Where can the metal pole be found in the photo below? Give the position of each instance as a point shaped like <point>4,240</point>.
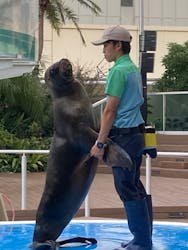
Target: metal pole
<point>24,181</point>
<point>141,31</point>
<point>141,51</point>
<point>164,112</point>
<point>141,9</point>
<point>148,174</point>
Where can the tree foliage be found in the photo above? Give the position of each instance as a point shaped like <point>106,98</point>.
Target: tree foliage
<point>175,77</point>
<point>57,12</point>
<point>25,106</point>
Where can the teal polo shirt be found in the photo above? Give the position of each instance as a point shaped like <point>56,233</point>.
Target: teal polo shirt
<point>124,81</point>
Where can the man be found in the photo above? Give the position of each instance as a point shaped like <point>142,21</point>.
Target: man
<point>123,123</point>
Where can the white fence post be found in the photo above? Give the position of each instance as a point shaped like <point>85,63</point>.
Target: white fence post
<point>87,206</point>
<point>148,174</point>
<point>24,181</point>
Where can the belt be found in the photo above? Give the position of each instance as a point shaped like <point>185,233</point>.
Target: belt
<point>125,131</point>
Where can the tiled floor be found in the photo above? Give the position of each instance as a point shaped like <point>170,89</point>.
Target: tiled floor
<point>165,191</point>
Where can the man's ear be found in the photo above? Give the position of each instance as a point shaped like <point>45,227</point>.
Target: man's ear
<point>119,45</point>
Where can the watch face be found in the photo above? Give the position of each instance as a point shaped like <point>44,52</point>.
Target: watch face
<point>100,144</point>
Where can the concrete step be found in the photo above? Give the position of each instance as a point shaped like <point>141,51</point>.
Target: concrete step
<point>173,164</point>
<point>164,172</point>
<point>155,171</point>
<point>177,140</point>
<point>172,148</point>
<point>169,162</point>
<point>172,158</point>
<point>103,169</point>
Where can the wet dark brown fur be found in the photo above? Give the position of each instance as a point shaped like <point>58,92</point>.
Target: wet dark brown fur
<point>70,169</point>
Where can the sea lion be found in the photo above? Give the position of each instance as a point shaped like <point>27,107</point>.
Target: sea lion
<point>71,169</point>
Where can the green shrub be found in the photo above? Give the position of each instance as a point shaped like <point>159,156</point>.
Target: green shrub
<point>175,77</point>
<point>25,106</point>
<point>12,162</point>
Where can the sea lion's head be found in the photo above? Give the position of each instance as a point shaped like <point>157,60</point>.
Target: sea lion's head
<point>59,77</point>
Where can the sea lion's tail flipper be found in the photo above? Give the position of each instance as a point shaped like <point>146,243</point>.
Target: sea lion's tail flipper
<point>114,155</point>
<point>55,245</point>
<point>80,241</point>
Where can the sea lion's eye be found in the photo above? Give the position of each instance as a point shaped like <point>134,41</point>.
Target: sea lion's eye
<point>52,72</point>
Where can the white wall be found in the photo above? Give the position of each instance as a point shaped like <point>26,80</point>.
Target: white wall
<point>69,45</point>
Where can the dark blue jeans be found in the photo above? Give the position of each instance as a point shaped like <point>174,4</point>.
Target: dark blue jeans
<point>127,183</point>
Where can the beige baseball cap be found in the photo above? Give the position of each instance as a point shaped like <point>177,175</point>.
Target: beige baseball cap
<point>116,33</point>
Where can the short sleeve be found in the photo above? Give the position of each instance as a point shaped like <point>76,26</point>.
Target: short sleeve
<point>116,83</point>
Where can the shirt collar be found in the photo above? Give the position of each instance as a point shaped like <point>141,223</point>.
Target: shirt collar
<point>122,59</point>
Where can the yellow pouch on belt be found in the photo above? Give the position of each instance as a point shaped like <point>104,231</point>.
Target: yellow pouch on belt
<point>150,137</point>
<point>150,142</point>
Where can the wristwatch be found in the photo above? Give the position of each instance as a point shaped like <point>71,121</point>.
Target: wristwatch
<point>100,145</point>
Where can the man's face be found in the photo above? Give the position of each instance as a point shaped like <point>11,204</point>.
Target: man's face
<point>111,51</point>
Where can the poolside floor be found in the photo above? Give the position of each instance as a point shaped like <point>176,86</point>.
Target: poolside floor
<point>170,199</point>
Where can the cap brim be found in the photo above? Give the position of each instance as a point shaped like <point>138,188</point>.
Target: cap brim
<point>99,42</point>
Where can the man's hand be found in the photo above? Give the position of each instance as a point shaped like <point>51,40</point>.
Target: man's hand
<point>97,152</point>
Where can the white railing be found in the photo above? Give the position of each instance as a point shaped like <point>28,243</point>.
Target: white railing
<point>87,203</point>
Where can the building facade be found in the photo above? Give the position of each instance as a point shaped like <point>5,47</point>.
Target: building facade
<point>127,12</point>
<point>169,18</point>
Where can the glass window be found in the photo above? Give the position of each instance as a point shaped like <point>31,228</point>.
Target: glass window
<point>127,3</point>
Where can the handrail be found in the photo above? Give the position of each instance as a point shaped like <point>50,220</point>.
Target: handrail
<point>24,151</point>
<point>102,101</point>
<point>169,93</point>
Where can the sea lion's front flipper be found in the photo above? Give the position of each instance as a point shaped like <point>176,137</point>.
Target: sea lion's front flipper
<point>114,155</point>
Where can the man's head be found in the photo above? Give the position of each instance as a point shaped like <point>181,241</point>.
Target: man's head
<point>116,41</point>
